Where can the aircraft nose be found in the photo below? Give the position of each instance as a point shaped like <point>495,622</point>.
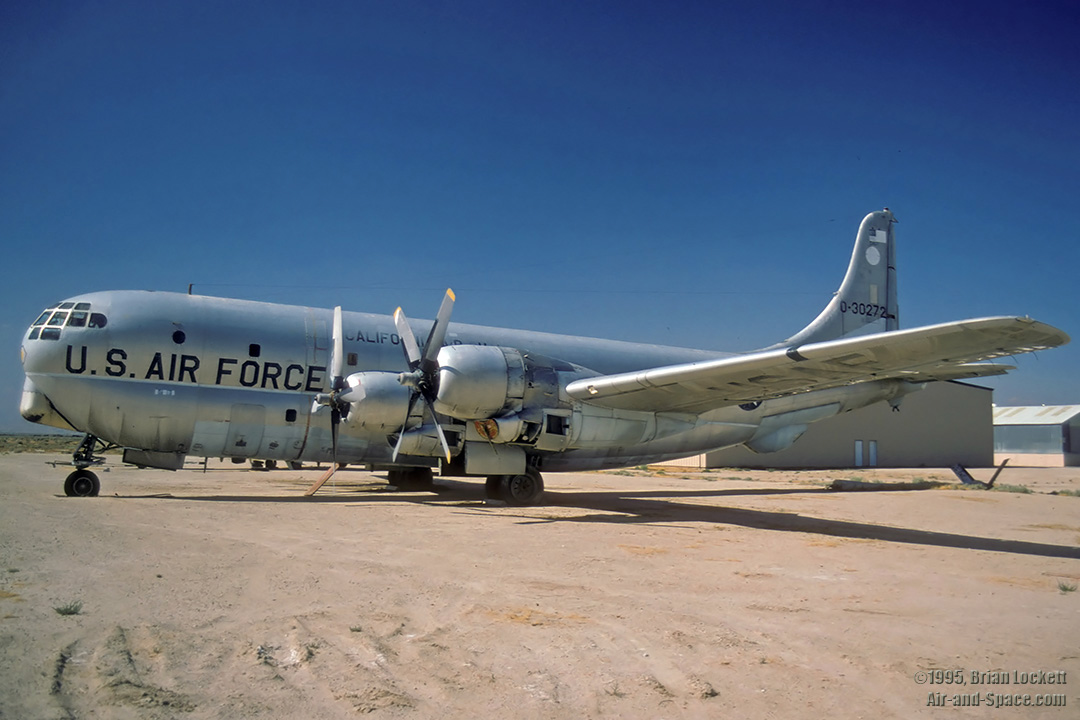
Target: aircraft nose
<point>56,330</point>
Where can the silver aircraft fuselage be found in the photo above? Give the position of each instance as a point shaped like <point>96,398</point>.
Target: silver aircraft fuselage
<point>167,376</point>
<point>175,375</point>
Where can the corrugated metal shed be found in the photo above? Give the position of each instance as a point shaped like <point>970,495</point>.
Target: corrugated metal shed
<point>1043,435</point>
<point>1035,415</point>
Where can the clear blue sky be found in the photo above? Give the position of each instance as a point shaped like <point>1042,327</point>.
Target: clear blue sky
<point>685,173</point>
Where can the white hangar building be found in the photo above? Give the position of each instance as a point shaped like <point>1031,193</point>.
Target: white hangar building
<point>944,424</point>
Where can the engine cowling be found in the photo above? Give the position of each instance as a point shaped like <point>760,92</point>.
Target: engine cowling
<point>376,399</point>
<point>479,381</point>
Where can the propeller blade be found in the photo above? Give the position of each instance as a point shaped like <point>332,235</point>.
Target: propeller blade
<point>404,426</point>
<point>439,430</point>
<point>337,360</point>
<point>408,340</point>
<point>438,333</point>
<point>333,398</point>
<point>335,420</point>
<point>397,445</point>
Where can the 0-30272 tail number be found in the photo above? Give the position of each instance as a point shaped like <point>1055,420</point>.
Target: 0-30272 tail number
<point>867,309</point>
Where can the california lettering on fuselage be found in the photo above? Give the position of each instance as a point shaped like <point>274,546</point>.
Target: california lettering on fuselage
<point>166,376</point>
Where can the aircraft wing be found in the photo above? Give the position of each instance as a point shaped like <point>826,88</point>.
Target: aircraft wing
<point>936,352</point>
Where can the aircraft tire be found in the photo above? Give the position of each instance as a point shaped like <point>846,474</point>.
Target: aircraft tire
<point>524,489</point>
<point>296,465</point>
<point>82,483</point>
<point>411,478</point>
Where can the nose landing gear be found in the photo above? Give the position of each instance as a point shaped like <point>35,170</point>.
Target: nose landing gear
<point>82,482</point>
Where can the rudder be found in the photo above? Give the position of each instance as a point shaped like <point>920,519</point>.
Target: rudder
<point>866,300</point>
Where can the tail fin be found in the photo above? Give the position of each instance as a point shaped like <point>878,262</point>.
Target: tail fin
<point>866,300</point>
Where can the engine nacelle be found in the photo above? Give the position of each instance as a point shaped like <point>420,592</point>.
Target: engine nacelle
<point>376,400</point>
<point>779,432</point>
<point>480,381</point>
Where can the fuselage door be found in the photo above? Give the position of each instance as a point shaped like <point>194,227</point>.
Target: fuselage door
<point>246,424</point>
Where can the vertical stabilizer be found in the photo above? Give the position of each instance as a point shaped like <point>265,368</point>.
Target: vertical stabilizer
<point>866,300</point>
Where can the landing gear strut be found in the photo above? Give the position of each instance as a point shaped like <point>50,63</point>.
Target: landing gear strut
<point>524,489</point>
<point>82,482</point>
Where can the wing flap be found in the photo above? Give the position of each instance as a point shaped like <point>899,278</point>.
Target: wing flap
<point>928,353</point>
<point>965,371</point>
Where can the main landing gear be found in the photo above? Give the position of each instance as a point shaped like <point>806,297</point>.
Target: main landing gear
<point>82,482</point>
<point>524,489</point>
<point>415,478</point>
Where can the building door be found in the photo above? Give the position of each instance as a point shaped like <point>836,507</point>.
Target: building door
<point>858,453</point>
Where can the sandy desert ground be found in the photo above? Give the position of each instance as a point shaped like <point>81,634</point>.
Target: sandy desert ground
<point>657,595</point>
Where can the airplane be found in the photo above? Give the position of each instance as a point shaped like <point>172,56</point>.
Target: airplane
<point>170,375</point>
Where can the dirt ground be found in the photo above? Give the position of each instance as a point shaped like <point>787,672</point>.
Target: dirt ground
<point>629,594</point>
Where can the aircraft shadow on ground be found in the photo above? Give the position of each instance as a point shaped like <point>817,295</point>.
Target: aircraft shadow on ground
<point>658,507</point>
<point>652,510</point>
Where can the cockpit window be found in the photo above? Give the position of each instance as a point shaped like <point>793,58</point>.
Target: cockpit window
<point>65,314</point>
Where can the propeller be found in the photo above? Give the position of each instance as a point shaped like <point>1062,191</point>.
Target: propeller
<point>422,376</point>
<point>333,399</point>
